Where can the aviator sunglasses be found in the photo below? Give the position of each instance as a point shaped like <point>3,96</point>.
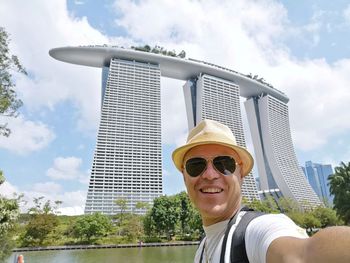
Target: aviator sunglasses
<point>225,165</point>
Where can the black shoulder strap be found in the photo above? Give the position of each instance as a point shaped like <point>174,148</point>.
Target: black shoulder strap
<point>201,258</point>
<point>238,250</point>
<point>224,241</point>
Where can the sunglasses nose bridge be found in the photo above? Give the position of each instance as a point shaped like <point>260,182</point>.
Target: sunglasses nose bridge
<point>210,172</point>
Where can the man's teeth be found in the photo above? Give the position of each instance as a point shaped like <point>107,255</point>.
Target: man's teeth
<point>211,190</point>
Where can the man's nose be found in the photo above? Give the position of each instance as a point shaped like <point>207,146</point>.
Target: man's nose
<point>210,173</point>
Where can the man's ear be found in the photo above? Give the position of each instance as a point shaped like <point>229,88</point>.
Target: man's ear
<point>183,176</point>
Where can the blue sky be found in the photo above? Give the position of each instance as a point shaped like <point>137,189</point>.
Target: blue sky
<point>300,47</point>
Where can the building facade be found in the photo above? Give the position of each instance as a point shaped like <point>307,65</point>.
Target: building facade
<point>127,162</point>
<point>275,157</point>
<point>317,175</point>
<point>209,97</point>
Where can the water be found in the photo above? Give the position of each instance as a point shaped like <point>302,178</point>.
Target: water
<point>135,255</point>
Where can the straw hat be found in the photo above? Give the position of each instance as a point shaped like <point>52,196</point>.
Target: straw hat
<point>212,132</point>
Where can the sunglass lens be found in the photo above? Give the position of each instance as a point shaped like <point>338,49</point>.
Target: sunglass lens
<point>225,164</point>
<point>195,166</point>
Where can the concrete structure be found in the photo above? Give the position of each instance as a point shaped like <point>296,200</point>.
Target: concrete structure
<point>127,162</point>
<point>211,91</point>
<point>209,97</point>
<point>317,174</point>
<point>274,152</point>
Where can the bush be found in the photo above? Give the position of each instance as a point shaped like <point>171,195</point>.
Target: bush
<point>152,239</point>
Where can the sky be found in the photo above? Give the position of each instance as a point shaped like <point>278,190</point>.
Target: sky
<point>301,47</point>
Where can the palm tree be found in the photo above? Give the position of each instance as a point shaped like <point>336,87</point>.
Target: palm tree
<point>339,183</point>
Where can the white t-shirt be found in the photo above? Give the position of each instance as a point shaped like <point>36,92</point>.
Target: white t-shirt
<point>260,232</point>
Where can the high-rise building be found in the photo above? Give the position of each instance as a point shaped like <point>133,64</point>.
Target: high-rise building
<point>317,175</point>
<point>209,97</point>
<point>127,161</point>
<point>276,160</point>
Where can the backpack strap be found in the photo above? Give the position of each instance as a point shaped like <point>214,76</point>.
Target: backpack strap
<point>202,241</point>
<point>224,241</point>
<point>238,249</point>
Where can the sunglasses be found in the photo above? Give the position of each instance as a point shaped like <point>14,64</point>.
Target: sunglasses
<point>225,165</point>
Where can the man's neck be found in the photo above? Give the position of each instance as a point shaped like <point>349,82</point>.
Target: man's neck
<point>207,221</point>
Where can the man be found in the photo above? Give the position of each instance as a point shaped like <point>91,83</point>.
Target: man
<point>213,168</point>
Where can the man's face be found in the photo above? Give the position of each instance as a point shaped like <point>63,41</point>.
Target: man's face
<point>215,195</point>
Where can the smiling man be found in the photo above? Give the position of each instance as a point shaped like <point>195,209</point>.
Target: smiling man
<point>213,168</point>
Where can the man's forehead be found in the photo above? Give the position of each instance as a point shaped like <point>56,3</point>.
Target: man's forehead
<point>209,150</point>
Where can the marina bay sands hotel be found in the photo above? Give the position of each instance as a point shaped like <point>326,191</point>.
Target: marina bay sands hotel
<point>127,161</point>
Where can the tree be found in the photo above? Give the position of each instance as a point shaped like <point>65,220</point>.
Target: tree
<point>123,205</point>
<point>339,183</point>
<point>9,212</point>
<point>165,213</point>
<point>134,228</point>
<point>9,103</point>
<point>142,205</point>
<point>327,216</point>
<point>38,229</point>
<point>94,225</point>
<point>43,221</point>
<point>186,211</point>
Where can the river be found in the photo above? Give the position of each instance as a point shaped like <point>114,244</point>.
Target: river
<point>134,255</point>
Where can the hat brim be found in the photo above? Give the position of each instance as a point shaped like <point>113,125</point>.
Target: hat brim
<point>246,158</point>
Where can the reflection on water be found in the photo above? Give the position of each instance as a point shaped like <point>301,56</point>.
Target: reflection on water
<point>137,255</point>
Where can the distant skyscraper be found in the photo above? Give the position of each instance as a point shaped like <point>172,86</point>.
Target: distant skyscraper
<point>317,175</point>
<point>209,97</point>
<point>274,152</point>
<point>127,161</point>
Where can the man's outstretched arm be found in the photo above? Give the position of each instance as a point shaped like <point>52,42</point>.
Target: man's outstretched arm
<point>328,245</point>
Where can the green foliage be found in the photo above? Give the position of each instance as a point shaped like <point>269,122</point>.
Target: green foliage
<point>327,216</point>
<point>89,226</point>
<point>133,230</point>
<point>173,214</point>
<point>142,205</point>
<point>123,205</point>
<point>2,178</point>
<point>340,187</point>
<point>44,208</point>
<point>7,243</point>
<point>38,229</point>
<point>160,50</point>
<point>42,222</point>
<point>9,213</point>
<point>9,103</point>
<point>165,213</point>
<point>267,206</point>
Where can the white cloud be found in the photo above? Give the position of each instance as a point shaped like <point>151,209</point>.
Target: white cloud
<point>247,36</point>
<point>8,190</point>
<point>51,81</point>
<point>318,91</point>
<point>73,202</point>
<point>67,168</point>
<point>47,188</point>
<point>26,136</point>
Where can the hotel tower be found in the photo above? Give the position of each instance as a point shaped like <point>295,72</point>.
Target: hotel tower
<point>128,161</point>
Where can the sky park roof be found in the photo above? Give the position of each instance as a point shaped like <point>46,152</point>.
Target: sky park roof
<point>171,67</point>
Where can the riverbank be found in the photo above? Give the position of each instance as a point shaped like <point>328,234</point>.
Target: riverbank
<point>80,247</point>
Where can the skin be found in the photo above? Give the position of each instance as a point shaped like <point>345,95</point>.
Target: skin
<point>328,245</point>
<point>219,206</point>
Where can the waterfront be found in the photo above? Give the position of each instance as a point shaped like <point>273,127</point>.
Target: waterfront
<point>134,255</point>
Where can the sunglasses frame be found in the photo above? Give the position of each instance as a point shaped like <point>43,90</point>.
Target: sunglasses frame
<point>211,160</point>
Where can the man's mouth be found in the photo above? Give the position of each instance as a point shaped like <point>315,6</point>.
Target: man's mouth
<point>211,190</point>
